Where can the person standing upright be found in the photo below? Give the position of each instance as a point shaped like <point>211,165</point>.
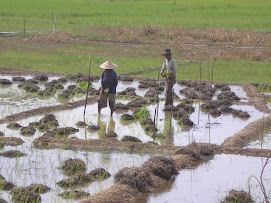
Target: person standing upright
<point>109,83</point>
<point>169,70</point>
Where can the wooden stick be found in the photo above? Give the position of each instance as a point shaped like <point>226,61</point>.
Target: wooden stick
<point>155,119</point>
<point>24,28</point>
<point>87,90</point>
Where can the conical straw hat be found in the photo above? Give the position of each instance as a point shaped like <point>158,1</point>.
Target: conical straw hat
<point>108,65</point>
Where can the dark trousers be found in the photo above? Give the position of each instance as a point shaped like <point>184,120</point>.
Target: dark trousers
<point>171,80</point>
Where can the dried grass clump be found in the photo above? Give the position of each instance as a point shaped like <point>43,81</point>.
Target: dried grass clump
<point>5,185</point>
<point>72,167</point>
<point>235,196</point>
<point>162,167</point>
<point>135,177</point>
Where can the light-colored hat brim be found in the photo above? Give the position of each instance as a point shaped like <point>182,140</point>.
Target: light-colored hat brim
<point>108,65</point>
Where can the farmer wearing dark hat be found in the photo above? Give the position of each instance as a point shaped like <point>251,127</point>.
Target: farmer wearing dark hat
<point>168,71</point>
<point>109,84</point>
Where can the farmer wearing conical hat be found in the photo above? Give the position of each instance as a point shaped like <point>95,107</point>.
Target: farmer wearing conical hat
<point>108,87</point>
<point>168,71</point>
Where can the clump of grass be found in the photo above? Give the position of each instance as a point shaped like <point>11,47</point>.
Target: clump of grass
<point>142,114</point>
<point>83,85</point>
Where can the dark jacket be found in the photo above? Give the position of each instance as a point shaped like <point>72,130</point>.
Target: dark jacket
<point>110,81</point>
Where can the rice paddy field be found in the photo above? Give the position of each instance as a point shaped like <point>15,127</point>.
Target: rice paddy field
<point>212,145</point>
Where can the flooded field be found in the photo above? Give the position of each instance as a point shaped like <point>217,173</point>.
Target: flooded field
<point>194,128</point>
<point>212,181</point>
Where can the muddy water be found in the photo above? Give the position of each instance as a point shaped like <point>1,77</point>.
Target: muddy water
<point>207,129</point>
<point>212,181</point>
<point>14,100</point>
<point>262,143</point>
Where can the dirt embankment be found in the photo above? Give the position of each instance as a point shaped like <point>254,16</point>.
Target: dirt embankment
<point>250,133</point>
<point>257,99</point>
<point>10,141</point>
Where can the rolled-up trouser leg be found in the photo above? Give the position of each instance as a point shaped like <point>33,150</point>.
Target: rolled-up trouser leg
<point>169,93</point>
<point>112,101</point>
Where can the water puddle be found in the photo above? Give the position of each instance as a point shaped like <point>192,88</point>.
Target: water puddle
<point>212,181</point>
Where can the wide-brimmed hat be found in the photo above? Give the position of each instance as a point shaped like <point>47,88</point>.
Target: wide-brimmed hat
<point>167,52</point>
<point>108,65</point>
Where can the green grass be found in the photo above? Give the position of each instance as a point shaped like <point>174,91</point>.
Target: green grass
<point>224,71</point>
<point>75,15</point>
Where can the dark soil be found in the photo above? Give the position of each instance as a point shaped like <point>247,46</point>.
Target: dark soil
<point>5,82</point>
<point>62,80</point>
<point>14,126</point>
<point>73,167</point>
<point>18,79</point>
<point>138,102</point>
<point>235,196</point>
<point>129,91</point>
<point>28,194</point>
<point>135,177</point>
<point>5,185</point>
<point>127,117</point>
<point>28,131</point>
<point>10,141</point>
<point>81,124</point>
<point>228,95</point>
<point>122,106</point>
<point>185,121</point>
<point>152,93</point>
<point>161,166</point>
<point>240,113</point>
<point>198,152</point>
<point>47,92</point>
<point>48,122</point>
<point>171,108</point>
<point>12,154</point>
<point>128,138</point>
<point>29,86</point>
<point>2,134</point>
<point>41,77</point>
<point>148,82</point>
<point>111,134</point>
<point>74,194</point>
<point>215,112</point>
<point>126,78</point>
<point>94,127</point>
<point>61,133</point>
<point>35,124</point>
<point>84,179</point>
<point>3,201</point>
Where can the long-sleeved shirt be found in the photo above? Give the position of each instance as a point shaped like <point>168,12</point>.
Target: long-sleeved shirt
<point>110,81</point>
<point>171,66</point>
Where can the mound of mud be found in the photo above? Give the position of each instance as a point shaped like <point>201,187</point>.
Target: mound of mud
<point>238,196</point>
<point>31,81</point>
<point>12,154</point>
<point>185,121</point>
<point>94,127</point>
<point>151,93</point>
<point>171,108</point>
<point>28,131</point>
<point>138,102</point>
<point>73,167</point>
<point>5,185</point>
<point>111,134</point>
<point>62,132</point>
<point>147,83</point>
<point>129,91</point>
<point>14,126</point>
<point>2,134</point>
<point>84,179</point>
<point>41,77</point>
<point>127,117</point>
<point>215,112</point>
<point>81,124</point>
<point>128,138</point>
<point>29,86</point>
<point>35,124</point>
<point>122,106</point>
<point>226,109</point>
<point>18,79</point>
<point>10,141</point>
<point>62,80</point>
<point>198,152</point>
<point>163,167</point>
<point>135,177</point>
<point>99,174</point>
<point>228,95</point>
<point>47,92</point>
<point>189,109</point>
<point>74,194</point>
<point>48,122</point>
<point>5,82</point>
<point>222,87</point>
<point>29,194</point>
<point>126,78</point>
<point>2,200</point>
<point>240,113</point>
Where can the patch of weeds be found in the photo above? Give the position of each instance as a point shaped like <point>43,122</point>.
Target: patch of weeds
<point>141,114</point>
<point>74,194</point>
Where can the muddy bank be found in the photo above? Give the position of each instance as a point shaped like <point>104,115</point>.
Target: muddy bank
<point>45,110</point>
<point>132,183</point>
<point>249,133</point>
<point>257,99</point>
